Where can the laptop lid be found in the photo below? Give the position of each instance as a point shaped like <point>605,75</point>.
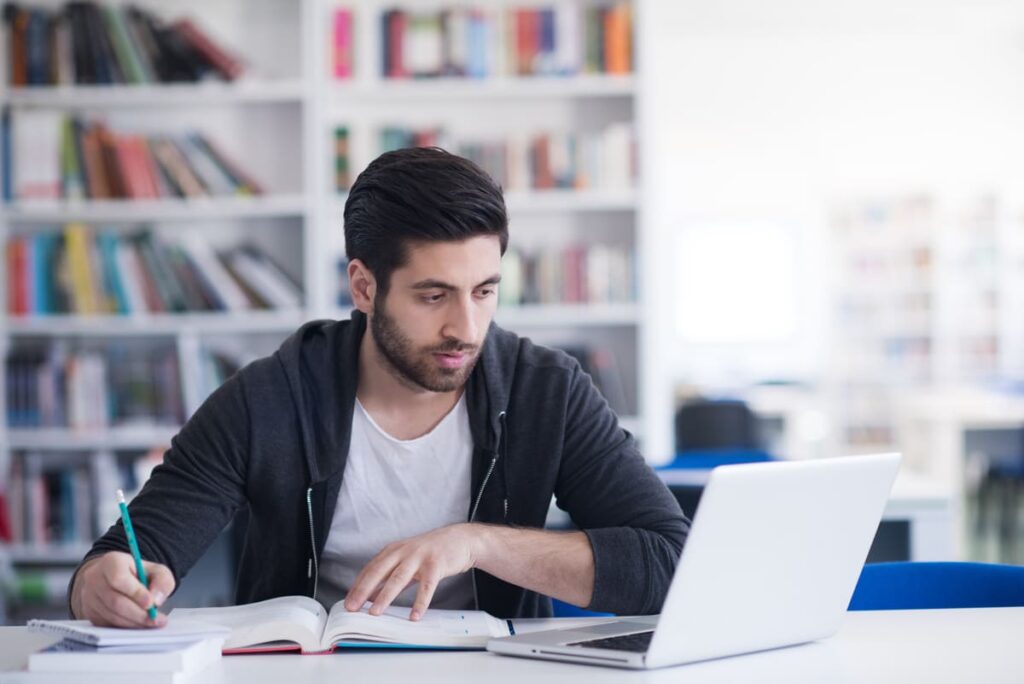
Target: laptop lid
<point>773,556</point>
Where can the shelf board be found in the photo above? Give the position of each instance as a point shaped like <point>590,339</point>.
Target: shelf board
<point>58,211</point>
<point>567,315</point>
<point>156,324</point>
<point>158,95</point>
<point>438,89</point>
<point>64,439</point>
<point>47,554</point>
<point>547,201</point>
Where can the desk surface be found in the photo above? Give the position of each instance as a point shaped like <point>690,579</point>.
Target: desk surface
<point>936,646</point>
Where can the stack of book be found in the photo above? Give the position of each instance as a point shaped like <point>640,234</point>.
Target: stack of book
<point>577,274</point>
<point>54,387</point>
<point>84,43</point>
<point>174,654</point>
<point>561,39</point>
<point>53,156</point>
<point>87,273</point>
<point>542,161</point>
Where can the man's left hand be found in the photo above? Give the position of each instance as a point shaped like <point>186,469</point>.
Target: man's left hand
<point>425,559</point>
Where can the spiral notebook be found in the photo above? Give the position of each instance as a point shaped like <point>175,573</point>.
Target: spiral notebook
<point>85,632</point>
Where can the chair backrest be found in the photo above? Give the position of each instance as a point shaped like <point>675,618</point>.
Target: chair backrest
<point>703,424</point>
<point>910,586</point>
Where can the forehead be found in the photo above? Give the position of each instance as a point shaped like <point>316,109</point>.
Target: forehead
<point>461,262</point>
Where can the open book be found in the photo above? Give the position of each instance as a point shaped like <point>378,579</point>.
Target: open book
<point>299,622</point>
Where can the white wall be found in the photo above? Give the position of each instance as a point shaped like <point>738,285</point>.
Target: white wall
<point>761,112</point>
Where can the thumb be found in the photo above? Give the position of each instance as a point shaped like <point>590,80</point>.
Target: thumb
<point>161,581</point>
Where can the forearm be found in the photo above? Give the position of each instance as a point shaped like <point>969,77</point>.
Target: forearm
<point>556,564</point>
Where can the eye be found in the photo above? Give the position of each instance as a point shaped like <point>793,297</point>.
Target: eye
<point>432,298</point>
<point>486,292</point>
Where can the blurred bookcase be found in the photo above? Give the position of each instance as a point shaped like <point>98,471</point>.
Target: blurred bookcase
<point>81,379</point>
<point>929,290</point>
<point>549,90</point>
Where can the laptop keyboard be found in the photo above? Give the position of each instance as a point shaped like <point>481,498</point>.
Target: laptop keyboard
<point>636,643</point>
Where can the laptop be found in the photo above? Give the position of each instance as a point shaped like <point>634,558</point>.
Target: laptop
<point>772,559</point>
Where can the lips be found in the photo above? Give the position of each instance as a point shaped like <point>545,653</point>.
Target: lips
<point>451,360</point>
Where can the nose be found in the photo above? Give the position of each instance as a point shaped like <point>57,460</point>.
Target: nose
<point>461,324</point>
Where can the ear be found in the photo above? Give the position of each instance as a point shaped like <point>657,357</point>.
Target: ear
<point>362,285</point>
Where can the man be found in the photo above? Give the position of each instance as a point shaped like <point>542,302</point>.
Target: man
<point>411,453</point>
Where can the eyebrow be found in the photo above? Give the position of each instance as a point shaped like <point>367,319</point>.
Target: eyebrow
<point>432,284</point>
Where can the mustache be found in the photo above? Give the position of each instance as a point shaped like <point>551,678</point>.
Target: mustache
<point>454,347</point>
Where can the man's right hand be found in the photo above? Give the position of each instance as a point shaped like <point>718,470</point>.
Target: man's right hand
<point>108,593</point>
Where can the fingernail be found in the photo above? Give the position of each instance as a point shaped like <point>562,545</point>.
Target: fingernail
<point>414,615</point>
<point>159,598</point>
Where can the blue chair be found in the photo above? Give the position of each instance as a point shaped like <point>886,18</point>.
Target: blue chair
<point>910,586</point>
<point>563,609</point>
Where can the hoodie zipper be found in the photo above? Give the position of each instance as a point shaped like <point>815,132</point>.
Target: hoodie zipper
<point>490,471</point>
<point>480,495</point>
<point>312,565</point>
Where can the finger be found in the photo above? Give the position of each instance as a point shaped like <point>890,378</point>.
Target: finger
<point>425,593</point>
<point>399,580</point>
<point>161,582</point>
<point>101,611</point>
<point>368,581</point>
<point>127,610</point>
<point>126,583</point>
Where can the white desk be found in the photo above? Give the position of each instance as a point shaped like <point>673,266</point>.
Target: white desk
<point>933,647</point>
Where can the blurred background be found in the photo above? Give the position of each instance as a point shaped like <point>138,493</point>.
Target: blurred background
<point>781,230</point>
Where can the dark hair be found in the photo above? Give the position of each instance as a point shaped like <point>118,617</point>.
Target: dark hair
<point>418,194</point>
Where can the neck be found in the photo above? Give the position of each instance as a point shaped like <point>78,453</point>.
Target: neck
<point>393,400</point>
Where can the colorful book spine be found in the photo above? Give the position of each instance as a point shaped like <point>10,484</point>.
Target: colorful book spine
<point>342,63</point>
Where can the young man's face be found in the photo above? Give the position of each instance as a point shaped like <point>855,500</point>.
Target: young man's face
<point>431,324</point>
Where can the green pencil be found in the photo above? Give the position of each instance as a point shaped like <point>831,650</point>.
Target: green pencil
<point>134,546</point>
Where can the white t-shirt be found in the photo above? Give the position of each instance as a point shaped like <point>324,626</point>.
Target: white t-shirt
<point>395,489</point>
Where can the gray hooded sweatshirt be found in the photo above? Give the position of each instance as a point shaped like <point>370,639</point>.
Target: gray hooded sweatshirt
<point>274,439</point>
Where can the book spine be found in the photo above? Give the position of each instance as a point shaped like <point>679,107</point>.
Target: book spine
<point>342,43</point>
<point>122,47</point>
<point>76,239</point>
<point>228,66</point>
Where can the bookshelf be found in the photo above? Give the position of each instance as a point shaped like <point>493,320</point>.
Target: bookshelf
<point>928,296</point>
<point>272,103</point>
<point>291,103</point>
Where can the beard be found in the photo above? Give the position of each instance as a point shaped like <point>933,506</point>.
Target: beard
<point>418,368</point>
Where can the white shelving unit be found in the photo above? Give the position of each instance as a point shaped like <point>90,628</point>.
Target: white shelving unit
<point>262,122</point>
<point>929,294</point>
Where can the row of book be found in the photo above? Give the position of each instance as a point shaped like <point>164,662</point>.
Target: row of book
<point>80,271</point>
<point>59,387</point>
<point>66,499</point>
<point>52,156</point>
<point>543,161</point>
<point>559,39</point>
<point>86,43</point>
<point>578,274</point>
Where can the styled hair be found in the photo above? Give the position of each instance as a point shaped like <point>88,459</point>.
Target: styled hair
<point>418,194</point>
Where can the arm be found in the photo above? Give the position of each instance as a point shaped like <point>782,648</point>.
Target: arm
<point>186,502</point>
<point>635,526</point>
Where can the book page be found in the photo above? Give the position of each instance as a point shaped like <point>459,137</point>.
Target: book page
<point>458,628</point>
<point>288,618</point>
